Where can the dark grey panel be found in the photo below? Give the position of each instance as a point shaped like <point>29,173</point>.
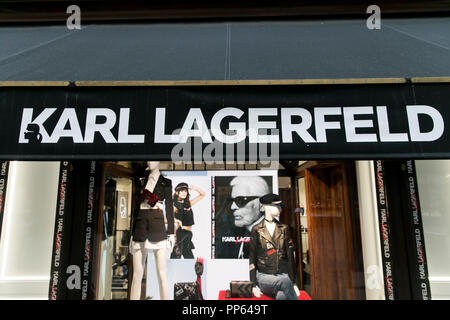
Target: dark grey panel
<point>435,31</point>
<point>14,41</point>
<point>332,49</point>
<point>125,52</point>
<point>237,50</point>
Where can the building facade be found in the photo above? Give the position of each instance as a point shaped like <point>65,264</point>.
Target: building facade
<point>346,123</point>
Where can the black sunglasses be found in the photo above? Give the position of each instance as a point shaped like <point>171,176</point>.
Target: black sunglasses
<point>242,201</point>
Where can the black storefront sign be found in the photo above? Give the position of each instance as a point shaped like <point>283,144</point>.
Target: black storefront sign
<point>362,121</point>
<point>4,168</point>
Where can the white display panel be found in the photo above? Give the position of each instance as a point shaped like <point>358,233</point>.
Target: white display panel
<point>370,236</point>
<point>433,179</point>
<point>27,232</point>
<point>221,270</point>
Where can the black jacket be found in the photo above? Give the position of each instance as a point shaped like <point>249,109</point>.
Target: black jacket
<point>151,225</point>
<point>271,255</point>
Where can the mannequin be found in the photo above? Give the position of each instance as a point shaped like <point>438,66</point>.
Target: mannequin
<point>149,231</point>
<point>274,281</point>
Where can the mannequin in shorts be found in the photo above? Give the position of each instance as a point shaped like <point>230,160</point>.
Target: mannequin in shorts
<point>149,232</point>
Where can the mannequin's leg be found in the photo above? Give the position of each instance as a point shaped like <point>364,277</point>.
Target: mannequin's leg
<point>160,260</point>
<point>139,258</point>
<point>285,286</point>
<point>278,286</point>
<point>267,284</point>
<point>280,296</point>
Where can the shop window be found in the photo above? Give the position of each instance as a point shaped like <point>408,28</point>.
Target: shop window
<point>114,258</point>
<point>27,230</point>
<point>80,218</point>
<point>433,178</point>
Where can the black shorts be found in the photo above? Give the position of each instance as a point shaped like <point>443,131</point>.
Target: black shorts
<point>149,225</point>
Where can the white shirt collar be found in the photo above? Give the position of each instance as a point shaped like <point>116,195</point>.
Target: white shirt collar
<point>154,175</point>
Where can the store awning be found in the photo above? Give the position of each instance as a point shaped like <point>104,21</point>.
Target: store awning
<point>125,89</point>
<point>405,48</point>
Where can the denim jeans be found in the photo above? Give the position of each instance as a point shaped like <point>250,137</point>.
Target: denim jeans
<point>278,286</point>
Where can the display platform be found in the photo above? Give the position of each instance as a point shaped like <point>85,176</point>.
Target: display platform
<point>222,296</point>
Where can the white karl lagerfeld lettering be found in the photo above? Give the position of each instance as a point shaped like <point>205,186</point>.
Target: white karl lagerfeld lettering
<point>238,127</point>
<point>112,125</point>
<point>68,126</point>
<point>195,119</point>
<point>124,123</point>
<point>27,118</point>
<point>68,116</point>
<point>290,125</point>
<point>255,124</point>
<point>383,126</point>
<point>300,128</point>
<point>194,126</point>
<point>103,128</point>
<point>351,124</point>
<point>414,128</point>
<point>322,125</point>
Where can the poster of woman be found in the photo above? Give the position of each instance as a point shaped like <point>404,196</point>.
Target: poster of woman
<point>184,219</point>
<point>192,211</point>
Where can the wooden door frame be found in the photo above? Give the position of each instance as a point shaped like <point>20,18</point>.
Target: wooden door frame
<point>352,228</point>
<point>294,182</point>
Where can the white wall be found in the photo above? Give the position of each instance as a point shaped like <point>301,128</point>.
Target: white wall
<point>27,232</point>
<point>433,178</point>
<point>370,236</point>
<point>218,273</point>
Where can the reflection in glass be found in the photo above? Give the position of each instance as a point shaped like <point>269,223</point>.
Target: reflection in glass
<point>306,270</point>
<point>114,261</point>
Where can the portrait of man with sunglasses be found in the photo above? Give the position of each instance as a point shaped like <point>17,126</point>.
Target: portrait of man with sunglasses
<point>243,211</point>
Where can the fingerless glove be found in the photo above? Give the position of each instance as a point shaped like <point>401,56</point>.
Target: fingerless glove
<point>150,197</point>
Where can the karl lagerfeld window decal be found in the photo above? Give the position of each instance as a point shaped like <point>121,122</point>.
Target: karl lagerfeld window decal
<point>311,122</point>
